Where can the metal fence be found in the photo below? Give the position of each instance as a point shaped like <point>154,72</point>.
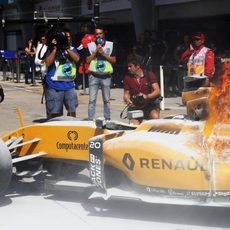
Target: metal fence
<point>13,65</point>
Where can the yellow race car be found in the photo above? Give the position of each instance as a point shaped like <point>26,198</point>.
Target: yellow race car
<point>181,160</point>
<point>157,161</point>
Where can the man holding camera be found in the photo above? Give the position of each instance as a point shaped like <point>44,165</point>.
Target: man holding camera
<point>59,80</point>
<point>141,90</point>
<point>101,56</point>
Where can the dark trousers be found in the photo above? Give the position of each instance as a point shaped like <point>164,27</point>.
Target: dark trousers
<point>29,68</point>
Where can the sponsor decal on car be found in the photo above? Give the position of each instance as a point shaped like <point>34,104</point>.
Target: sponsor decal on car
<point>72,136</point>
<point>162,164</point>
<point>96,162</point>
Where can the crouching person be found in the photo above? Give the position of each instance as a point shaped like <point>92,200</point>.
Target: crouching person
<point>141,90</point>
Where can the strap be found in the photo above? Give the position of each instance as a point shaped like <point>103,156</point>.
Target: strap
<point>40,51</point>
<point>146,73</point>
<point>125,108</point>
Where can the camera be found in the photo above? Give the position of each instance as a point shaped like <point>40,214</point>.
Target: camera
<point>60,37</point>
<point>138,100</point>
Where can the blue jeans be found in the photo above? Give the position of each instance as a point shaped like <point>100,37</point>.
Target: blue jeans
<point>94,84</point>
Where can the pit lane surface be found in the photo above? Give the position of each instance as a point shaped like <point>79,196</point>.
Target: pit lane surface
<point>27,205</point>
<point>29,99</point>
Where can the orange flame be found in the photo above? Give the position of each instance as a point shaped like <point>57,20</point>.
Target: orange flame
<point>219,101</point>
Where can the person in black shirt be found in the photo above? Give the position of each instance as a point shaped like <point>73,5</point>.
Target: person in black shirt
<point>30,56</point>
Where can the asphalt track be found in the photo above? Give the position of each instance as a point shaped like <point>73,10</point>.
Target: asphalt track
<point>28,205</point>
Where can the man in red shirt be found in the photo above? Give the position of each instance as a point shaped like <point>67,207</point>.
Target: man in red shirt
<point>200,60</point>
<point>141,91</point>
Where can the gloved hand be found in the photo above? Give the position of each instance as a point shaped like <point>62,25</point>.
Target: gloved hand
<point>1,94</point>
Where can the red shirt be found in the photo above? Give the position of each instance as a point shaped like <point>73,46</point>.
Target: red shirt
<point>209,67</point>
<point>135,87</point>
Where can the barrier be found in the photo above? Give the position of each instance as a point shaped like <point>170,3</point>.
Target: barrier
<point>8,54</point>
<point>13,63</point>
<point>7,64</point>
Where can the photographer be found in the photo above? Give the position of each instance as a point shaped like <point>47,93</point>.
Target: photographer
<point>141,90</point>
<point>60,88</point>
<point>1,94</point>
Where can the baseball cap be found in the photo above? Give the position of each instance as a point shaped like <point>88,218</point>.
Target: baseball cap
<point>198,35</point>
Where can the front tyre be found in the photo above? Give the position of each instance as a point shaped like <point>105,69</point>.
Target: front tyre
<point>5,167</point>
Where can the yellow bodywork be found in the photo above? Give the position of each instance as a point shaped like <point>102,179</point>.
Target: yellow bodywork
<point>171,154</point>
<point>62,140</point>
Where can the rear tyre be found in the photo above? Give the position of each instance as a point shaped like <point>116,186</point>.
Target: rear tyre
<point>5,167</point>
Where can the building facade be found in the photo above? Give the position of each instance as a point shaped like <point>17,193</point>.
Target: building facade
<point>123,18</point>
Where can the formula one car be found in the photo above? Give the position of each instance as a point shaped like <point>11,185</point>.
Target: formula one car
<point>176,161</point>
<point>157,161</point>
